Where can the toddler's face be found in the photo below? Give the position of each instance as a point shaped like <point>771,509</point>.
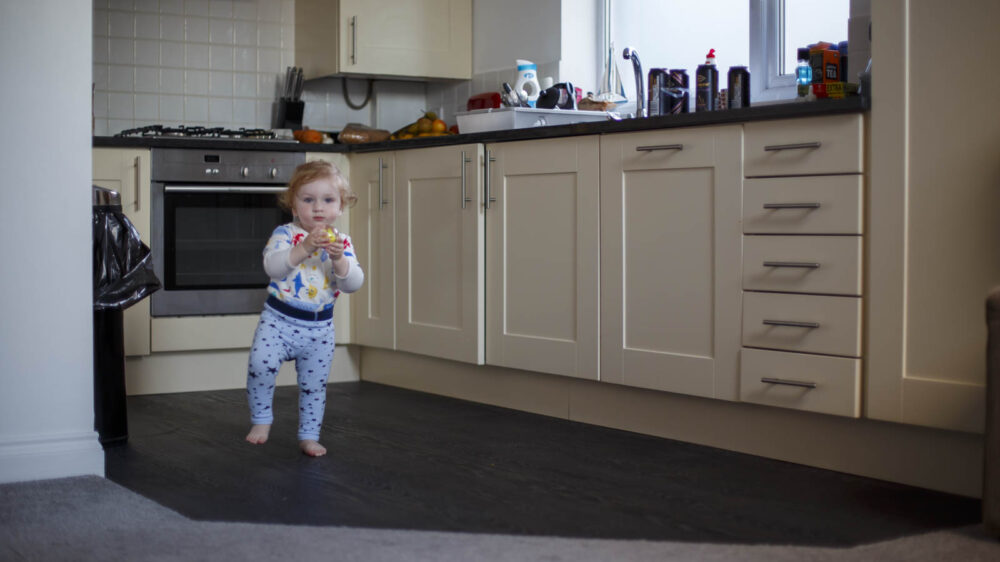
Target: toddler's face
<point>317,203</point>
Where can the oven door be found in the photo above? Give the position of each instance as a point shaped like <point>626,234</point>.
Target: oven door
<point>208,243</point>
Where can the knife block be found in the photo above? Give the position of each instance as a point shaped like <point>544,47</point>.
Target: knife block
<point>288,114</point>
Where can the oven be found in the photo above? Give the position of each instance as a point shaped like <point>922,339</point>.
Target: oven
<point>212,213</point>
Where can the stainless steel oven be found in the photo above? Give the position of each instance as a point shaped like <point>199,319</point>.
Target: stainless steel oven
<point>212,213</point>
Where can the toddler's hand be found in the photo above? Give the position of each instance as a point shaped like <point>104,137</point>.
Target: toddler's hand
<point>315,240</point>
<point>334,246</point>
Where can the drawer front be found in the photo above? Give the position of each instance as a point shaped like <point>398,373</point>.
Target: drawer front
<point>670,148</point>
<point>805,323</point>
<point>814,145</point>
<point>829,265</point>
<point>803,205</point>
<point>814,383</point>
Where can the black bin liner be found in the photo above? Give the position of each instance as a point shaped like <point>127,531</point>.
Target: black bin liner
<point>123,275</point>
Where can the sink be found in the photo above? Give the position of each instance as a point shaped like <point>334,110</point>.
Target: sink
<point>498,119</point>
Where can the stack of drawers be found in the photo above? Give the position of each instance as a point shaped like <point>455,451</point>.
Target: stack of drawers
<point>802,264</point>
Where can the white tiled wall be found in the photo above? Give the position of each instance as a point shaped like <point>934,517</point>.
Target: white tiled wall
<point>218,63</point>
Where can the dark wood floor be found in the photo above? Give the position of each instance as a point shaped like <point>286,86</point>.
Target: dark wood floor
<point>409,460</point>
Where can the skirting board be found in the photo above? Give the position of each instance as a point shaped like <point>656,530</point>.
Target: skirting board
<point>191,371</point>
<point>941,460</point>
<point>41,457</point>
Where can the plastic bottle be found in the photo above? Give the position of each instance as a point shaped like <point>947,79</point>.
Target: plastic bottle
<point>707,85</point>
<point>527,80</point>
<point>803,73</point>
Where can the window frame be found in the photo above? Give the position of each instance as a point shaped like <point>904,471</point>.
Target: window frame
<point>766,52</point>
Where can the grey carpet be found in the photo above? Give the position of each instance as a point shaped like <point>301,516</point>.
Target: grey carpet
<point>90,518</point>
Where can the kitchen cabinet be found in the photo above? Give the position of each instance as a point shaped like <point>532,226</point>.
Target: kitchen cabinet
<point>127,172</point>
<point>440,252</point>
<point>391,38</point>
<point>670,260</point>
<point>373,229</point>
<point>342,317</point>
<point>542,245</point>
<point>803,257</point>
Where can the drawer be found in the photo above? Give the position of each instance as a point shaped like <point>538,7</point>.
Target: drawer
<point>814,145</point>
<point>803,205</point>
<point>813,383</point>
<point>829,265</point>
<point>668,149</point>
<point>805,323</point>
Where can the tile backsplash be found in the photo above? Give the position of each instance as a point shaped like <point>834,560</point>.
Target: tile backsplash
<point>218,63</point>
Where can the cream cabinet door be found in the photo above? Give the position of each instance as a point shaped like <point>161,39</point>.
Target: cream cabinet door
<point>342,317</point>
<point>373,231</point>
<point>420,38</point>
<point>542,243</point>
<point>439,252</point>
<point>127,172</point>
<point>670,260</point>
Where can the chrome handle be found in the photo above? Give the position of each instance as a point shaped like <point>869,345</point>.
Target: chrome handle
<point>465,198</point>
<point>653,147</point>
<point>138,185</point>
<point>219,189</point>
<point>791,205</point>
<point>795,146</point>
<point>354,39</point>
<point>486,181</point>
<point>381,199</point>
<point>798,264</point>
<point>787,382</point>
<point>791,324</point>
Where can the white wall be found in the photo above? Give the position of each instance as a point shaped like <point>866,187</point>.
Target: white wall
<point>219,63</point>
<point>46,383</point>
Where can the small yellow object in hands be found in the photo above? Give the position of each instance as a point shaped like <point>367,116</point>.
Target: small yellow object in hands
<point>331,233</point>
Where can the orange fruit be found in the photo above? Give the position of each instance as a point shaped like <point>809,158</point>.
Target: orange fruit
<point>438,126</point>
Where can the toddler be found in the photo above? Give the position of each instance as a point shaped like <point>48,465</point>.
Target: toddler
<point>309,264</point>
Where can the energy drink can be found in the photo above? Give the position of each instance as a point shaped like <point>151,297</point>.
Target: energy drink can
<point>678,95</point>
<point>657,88</point>
<point>739,87</point>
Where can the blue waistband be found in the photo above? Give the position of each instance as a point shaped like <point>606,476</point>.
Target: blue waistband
<point>289,310</point>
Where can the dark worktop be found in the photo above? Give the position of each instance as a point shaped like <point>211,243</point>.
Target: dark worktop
<point>756,113</point>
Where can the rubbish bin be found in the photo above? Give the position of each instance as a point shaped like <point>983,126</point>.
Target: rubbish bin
<point>123,275</point>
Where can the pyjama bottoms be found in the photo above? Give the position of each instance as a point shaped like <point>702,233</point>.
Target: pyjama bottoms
<point>281,338</point>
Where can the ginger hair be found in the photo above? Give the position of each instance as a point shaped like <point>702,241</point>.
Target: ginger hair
<point>310,172</point>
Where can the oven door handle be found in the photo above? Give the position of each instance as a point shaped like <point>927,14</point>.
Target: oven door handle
<point>223,189</point>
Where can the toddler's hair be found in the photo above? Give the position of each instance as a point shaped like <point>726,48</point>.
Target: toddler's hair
<point>310,172</point>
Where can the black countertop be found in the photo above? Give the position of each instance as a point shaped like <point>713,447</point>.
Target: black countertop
<point>757,113</point>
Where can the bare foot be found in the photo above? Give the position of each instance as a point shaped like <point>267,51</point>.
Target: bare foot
<point>258,433</point>
<point>312,448</point>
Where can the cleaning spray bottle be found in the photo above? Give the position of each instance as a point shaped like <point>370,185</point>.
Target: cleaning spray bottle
<point>527,80</point>
<point>707,85</point>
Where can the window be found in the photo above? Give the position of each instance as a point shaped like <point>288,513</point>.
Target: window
<point>760,34</point>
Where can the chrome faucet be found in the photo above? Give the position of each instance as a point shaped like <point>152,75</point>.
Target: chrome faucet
<point>640,97</point>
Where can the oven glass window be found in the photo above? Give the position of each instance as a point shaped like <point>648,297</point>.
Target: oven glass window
<point>216,240</point>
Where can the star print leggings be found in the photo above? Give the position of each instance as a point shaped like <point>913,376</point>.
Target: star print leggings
<point>280,338</point>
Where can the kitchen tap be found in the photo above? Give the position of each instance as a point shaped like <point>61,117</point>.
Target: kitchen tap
<point>640,97</point>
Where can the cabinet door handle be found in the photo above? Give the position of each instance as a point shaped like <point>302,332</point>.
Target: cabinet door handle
<point>787,382</point>
<point>791,324</point>
<point>798,264</point>
<point>354,39</point>
<point>652,147</point>
<point>486,180</point>
<point>381,200</point>
<point>795,146</point>
<point>465,198</point>
<point>138,187</point>
<point>791,205</point>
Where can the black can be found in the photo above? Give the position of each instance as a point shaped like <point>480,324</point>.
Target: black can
<point>739,87</point>
<point>678,95</point>
<point>706,88</point>
<point>657,88</point>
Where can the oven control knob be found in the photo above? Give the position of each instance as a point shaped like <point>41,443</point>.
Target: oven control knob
<point>208,171</point>
<point>245,171</point>
<point>273,173</point>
